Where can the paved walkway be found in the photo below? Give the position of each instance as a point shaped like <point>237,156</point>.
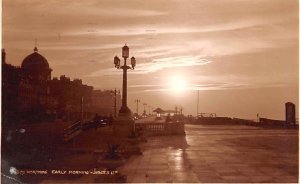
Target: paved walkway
<point>218,154</point>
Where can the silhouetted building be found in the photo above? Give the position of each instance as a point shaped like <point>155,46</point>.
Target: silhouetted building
<point>73,97</point>
<point>29,94</point>
<point>34,97</point>
<point>10,85</point>
<point>104,102</point>
<point>159,112</point>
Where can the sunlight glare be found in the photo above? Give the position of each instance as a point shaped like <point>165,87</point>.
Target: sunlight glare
<point>177,84</point>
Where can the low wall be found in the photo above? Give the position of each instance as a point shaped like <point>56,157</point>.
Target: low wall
<point>274,123</point>
<point>152,128</point>
<point>263,122</point>
<point>214,120</point>
<point>245,122</point>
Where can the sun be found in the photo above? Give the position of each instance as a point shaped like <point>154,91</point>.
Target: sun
<point>177,84</point>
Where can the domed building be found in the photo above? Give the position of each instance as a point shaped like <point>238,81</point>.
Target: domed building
<point>33,93</point>
<point>36,67</point>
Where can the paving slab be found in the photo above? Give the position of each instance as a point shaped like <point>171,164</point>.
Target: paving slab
<point>213,154</point>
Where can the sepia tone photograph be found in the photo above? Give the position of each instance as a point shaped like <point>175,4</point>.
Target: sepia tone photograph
<point>150,91</point>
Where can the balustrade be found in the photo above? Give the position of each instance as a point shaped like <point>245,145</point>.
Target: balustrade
<point>152,128</point>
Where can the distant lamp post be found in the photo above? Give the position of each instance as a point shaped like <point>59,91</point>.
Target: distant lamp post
<point>137,101</point>
<point>81,109</point>
<point>149,108</point>
<point>114,95</point>
<point>125,54</point>
<point>144,104</point>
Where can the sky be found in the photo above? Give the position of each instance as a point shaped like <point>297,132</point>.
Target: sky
<point>241,55</point>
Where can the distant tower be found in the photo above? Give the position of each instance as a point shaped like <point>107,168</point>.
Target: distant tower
<point>290,115</point>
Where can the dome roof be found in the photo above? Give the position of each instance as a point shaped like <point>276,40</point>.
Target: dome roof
<point>35,61</point>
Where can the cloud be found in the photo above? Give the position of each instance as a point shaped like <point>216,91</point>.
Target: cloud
<point>145,85</point>
<point>157,65</point>
<point>207,87</point>
<point>170,62</point>
<point>162,35</point>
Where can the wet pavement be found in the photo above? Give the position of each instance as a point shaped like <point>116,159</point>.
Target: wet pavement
<point>210,153</point>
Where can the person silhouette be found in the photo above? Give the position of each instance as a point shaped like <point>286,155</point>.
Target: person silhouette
<point>168,118</point>
<point>110,119</point>
<point>96,120</point>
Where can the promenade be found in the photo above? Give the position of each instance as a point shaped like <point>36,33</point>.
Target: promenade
<point>232,153</point>
<point>207,153</point>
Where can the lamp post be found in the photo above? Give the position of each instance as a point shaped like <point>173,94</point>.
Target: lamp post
<point>144,104</point>
<point>81,109</point>
<point>114,94</point>
<point>125,54</point>
<point>137,101</point>
<point>197,104</point>
<point>149,108</point>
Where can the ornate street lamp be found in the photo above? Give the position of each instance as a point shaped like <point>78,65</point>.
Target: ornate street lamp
<point>125,54</point>
<point>133,62</point>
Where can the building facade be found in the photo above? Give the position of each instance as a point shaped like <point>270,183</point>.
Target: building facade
<point>30,94</point>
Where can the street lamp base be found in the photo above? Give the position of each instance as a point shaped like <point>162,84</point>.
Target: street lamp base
<point>125,111</point>
<point>123,126</point>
